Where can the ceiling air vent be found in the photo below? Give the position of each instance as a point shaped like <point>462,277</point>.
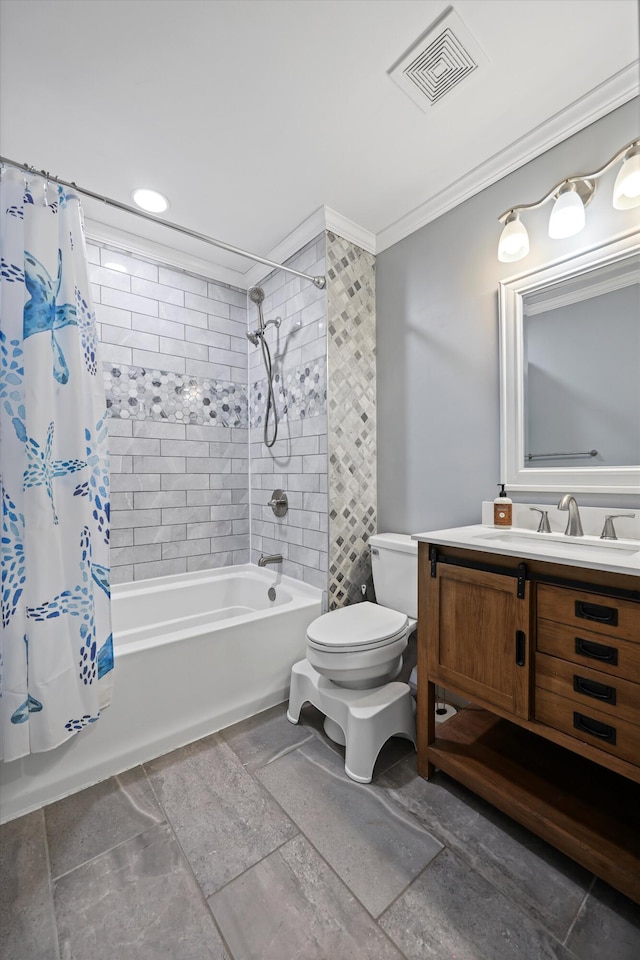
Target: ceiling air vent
<point>438,61</point>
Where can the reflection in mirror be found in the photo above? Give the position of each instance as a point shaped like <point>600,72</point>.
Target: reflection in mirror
<point>581,369</point>
<point>570,373</point>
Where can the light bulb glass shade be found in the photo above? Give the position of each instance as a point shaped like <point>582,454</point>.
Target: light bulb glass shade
<point>626,189</point>
<point>567,216</point>
<point>150,200</point>
<point>514,241</point>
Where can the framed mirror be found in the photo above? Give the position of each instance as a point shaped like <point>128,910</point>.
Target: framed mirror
<point>570,374</point>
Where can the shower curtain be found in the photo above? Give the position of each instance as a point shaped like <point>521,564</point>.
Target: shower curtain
<point>56,656</point>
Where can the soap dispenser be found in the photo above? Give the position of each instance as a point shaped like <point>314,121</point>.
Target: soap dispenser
<point>502,509</point>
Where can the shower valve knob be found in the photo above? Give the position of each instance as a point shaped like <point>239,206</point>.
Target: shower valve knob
<point>279,503</point>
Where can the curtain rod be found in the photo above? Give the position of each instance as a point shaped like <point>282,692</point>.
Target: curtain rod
<point>110,202</point>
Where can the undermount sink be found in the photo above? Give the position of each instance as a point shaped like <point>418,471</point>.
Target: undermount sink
<point>553,542</point>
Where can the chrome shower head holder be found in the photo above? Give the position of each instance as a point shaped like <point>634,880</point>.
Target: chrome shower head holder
<point>255,335</point>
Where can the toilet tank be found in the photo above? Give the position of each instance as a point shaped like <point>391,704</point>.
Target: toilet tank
<point>394,563</point>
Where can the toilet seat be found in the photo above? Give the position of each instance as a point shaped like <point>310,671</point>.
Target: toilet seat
<point>359,627</point>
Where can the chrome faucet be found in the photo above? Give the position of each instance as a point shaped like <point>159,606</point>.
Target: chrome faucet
<point>574,524</point>
<point>269,558</point>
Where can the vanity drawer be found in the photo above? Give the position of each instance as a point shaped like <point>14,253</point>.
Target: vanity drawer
<point>619,619</point>
<point>613,735</point>
<point>607,655</point>
<point>589,688</point>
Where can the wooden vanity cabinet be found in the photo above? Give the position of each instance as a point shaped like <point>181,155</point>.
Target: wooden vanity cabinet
<point>549,656</point>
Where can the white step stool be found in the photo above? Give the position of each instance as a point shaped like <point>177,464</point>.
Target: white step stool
<point>362,720</point>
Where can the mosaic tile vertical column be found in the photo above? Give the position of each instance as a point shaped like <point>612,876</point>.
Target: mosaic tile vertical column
<point>351,401</point>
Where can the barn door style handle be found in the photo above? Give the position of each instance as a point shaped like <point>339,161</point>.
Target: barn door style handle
<point>521,641</point>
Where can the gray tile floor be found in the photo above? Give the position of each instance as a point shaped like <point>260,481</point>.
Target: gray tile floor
<point>254,844</point>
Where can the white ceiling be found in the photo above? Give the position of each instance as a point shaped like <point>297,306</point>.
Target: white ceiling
<point>252,114</point>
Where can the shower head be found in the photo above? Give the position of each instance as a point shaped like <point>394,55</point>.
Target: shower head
<point>254,337</point>
<point>256,295</point>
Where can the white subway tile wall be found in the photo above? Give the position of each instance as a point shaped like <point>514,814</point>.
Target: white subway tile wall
<point>297,463</point>
<point>175,367</point>
<point>190,474</point>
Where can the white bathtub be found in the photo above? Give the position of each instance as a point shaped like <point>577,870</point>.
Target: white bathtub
<point>193,653</point>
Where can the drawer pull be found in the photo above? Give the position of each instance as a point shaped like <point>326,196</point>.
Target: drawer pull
<point>603,731</point>
<point>521,640</point>
<point>591,688</point>
<point>597,651</point>
<point>597,613</point>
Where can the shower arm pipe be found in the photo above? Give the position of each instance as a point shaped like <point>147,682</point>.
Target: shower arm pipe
<point>318,282</point>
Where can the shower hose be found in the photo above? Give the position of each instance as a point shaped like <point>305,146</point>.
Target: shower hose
<point>271,400</point>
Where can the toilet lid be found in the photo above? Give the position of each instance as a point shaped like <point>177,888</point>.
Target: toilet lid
<point>361,626</point>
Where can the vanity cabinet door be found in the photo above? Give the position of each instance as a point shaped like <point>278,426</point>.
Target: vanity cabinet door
<point>479,632</point>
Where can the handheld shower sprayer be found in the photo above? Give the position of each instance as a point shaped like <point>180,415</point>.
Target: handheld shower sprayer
<point>256,295</point>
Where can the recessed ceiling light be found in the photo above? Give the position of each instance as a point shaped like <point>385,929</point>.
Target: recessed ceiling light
<point>150,200</point>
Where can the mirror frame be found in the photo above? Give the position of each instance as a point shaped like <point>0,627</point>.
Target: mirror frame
<point>573,479</point>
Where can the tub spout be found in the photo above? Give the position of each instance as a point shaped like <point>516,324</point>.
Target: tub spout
<point>270,558</point>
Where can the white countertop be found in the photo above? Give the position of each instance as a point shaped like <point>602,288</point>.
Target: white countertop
<point>619,556</point>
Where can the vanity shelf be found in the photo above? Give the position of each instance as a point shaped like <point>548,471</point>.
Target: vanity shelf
<point>549,656</point>
<point>591,814</point>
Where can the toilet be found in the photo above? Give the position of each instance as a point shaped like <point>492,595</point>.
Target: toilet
<point>354,655</point>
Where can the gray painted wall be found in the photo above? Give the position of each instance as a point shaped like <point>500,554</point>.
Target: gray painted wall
<point>437,334</point>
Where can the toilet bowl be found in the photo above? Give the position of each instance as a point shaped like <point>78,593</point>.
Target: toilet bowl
<point>354,655</point>
<point>359,647</point>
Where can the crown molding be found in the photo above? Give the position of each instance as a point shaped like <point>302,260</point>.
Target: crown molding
<point>614,92</point>
<point>308,230</point>
<point>172,257</point>
<point>324,218</point>
<point>350,230</point>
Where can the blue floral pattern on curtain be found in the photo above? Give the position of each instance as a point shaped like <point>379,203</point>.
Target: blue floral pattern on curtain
<point>56,651</point>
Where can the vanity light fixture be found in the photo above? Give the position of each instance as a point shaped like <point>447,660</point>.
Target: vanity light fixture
<point>570,197</point>
<point>567,215</point>
<point>626,189</point>
<point>150,200</point>
<point>514,242</point>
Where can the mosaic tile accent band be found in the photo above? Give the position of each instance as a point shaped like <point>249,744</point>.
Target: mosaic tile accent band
<point>351,359</point>
<point>299,392</point>
<point>136,393</point>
